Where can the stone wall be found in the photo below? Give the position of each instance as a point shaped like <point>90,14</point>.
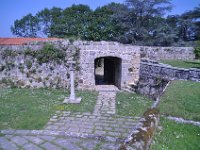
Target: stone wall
<point>149,69</point>
<point>23,70</point>
<point>167,53</point>
<point>155,76</point>
<point>89,51</point>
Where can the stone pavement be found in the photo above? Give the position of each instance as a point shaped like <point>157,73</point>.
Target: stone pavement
<point>114,127</point>
<point>106,100</point>
<point>102,129</point>
<point>40,141</point>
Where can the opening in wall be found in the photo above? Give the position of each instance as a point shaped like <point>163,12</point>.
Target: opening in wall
<point>108,71</point>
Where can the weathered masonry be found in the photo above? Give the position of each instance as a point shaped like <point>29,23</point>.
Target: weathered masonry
<point>97,63</point>
<point>120,64</point>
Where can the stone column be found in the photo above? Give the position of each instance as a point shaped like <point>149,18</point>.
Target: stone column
<point>72,98</point>
<point>72,90</point>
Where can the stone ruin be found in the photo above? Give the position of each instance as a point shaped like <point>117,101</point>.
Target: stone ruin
<point>121,65</point>
<point>96,63</point>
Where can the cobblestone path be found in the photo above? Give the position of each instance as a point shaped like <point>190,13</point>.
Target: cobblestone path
<point>21,140</point>
<point>113,127</point>
<point>105,103</point>
<point>100,130</point>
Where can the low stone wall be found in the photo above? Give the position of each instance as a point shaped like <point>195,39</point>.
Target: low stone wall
<point>141,136</point>
<point>155,76</point>
<point>149,69</point>
<point>167,53</point>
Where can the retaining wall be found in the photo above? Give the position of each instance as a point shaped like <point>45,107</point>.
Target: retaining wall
<point>149,69</point>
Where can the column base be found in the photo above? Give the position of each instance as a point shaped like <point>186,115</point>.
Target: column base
<point>67,100</point>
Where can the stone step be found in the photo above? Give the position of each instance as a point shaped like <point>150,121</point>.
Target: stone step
<point>106,88</point>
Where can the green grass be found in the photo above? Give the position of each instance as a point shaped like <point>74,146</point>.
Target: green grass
<point>182,99</point>
<point>175,136</point>
<point>130,104</point>
<point>87,104</point>
<point>183,64</point>
<point>31,109</point>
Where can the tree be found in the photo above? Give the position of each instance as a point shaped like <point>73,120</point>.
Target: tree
<point>191,24</point>
<point>140,20</point>
<point>165,35</point>
<point>26,27</point>
<point>74,22</point>
<point>49,20</point>
<point>102,26</point>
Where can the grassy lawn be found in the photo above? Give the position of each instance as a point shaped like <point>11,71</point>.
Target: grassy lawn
<point>183,64</point>
<point>174,136</point>
<point>130,104</point>
<point>31,109</point>
<point>182,99</point>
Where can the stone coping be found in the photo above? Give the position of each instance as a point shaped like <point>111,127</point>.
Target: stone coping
<point>161,65</point>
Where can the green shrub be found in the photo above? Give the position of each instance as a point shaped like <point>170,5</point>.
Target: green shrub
<point>30,52</point>
<point>197,50</point>
<point>49,53</point>
<point>9,53</point>
<point>28,64</point>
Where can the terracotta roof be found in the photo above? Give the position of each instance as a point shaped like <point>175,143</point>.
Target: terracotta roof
<point>21,41</point>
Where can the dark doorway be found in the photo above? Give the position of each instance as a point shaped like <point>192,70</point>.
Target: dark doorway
<point>108,71</point>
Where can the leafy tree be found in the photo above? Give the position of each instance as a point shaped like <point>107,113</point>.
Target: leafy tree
<point>140,17</point>
<point>49,19</point>
<point>26,27</point>
<point>165,35</point>
<point>74,22</point>
<point>191,21</point>
<point>102,26</point>
<point>140,22</point>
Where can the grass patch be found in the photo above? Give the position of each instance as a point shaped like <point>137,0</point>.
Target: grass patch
<point>182,99</point>
<point>183,64</point>
<point>176,136</point>
<point>130,104</point>
<point>32,108</point>
<point>87,104</point>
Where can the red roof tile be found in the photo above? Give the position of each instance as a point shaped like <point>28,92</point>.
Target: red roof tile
<point>21,41</point>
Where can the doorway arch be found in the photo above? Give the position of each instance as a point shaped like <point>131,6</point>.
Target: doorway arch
<point>108,71</point>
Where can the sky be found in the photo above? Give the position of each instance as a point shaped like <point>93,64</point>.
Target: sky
<point>11,10</point>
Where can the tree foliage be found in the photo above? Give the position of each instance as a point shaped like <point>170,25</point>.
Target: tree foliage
<point>26,27</point>
<point>141,22</point>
